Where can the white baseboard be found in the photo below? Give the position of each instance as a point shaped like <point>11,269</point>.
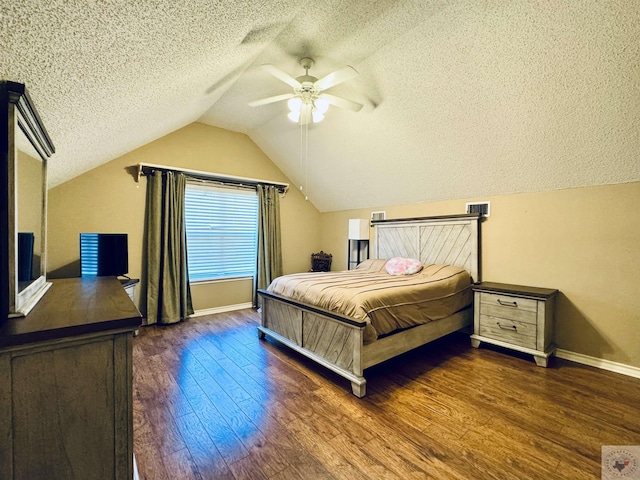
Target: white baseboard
<point>599,363</point>
<point>226,308</point>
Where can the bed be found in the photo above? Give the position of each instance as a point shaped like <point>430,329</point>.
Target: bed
<point>316,315</point>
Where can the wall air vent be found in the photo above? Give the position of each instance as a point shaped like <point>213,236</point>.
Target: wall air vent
<point>378,215</point>
<point>483,208</point>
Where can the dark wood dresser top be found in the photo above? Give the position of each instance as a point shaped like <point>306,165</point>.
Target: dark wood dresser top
<point>71,307</point>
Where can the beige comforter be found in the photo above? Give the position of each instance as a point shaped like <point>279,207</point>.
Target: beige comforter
<point>386,302</point>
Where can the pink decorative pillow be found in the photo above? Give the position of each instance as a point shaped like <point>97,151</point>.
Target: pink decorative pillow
<point>403,266</point>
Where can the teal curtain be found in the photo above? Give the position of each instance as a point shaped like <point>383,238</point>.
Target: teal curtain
<point>168,291</point>
<point>269,243</point>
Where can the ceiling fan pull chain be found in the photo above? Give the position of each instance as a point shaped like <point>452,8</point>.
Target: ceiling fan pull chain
<point>306,159</point>
<point>301,170</point>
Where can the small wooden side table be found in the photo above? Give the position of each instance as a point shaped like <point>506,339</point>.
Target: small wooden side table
<point>514,316</point>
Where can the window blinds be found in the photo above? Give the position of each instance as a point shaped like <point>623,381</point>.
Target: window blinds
<point>222,225</point>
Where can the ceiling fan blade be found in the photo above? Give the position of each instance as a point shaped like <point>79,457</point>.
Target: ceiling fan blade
<point>280,75</point>
<point>339,76</point>
<point>341,102</point>
<point>274,99</point>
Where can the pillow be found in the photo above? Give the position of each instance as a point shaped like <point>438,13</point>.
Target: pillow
<point>372,265</point>
<point>403,266</point>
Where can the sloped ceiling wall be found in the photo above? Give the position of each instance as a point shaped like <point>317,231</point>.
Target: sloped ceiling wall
<point>462,98</point>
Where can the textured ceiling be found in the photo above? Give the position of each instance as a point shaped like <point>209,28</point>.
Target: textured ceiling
<point>462,98</point>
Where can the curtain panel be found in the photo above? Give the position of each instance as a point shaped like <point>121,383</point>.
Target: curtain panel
<point>168,291</point>
<point>269,243</point>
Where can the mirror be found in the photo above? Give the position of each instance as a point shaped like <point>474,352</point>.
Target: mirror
<point>26,147</point>
<point>29,212</point>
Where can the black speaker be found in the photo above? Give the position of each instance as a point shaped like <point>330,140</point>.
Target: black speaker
<point>25,256</point>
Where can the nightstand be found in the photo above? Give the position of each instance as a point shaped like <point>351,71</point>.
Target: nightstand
<point>516,317</point>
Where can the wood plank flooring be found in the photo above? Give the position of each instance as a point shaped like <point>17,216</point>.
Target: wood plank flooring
<point>211,400</point>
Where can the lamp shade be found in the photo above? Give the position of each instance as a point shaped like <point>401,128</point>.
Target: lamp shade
<point>358,229</point>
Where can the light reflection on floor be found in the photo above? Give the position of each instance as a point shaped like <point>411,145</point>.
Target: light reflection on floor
<point>222,382</point>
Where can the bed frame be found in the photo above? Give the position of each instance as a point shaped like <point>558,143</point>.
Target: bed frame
<point>336,341</point>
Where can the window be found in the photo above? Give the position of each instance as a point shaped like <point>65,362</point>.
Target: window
<point>222,232</point>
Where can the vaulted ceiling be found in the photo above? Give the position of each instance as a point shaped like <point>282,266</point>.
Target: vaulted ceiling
<point>462,98</point>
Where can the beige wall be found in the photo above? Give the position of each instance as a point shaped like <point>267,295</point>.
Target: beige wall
<point>585,242</point>
<point>108,199</point>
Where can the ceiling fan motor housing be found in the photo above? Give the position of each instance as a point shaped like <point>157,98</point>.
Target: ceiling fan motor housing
<point>307,90</point>
<point>307,81</point>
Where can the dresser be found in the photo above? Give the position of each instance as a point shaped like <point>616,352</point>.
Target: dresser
<point>66,384</point>
<point>517,317</point>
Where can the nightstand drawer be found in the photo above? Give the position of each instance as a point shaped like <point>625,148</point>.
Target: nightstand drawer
<point>512,308</point>
<point>512,331</point>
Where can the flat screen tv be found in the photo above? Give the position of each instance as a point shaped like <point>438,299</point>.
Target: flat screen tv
<point>103,254</point>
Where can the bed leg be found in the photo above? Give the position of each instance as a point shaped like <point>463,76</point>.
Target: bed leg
<point>261,334</point>
<point>359,389</point>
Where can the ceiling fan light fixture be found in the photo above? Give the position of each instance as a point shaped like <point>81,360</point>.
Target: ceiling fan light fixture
<point>305,111</point>
<point>295,104</point>
<point>317,116</point>
<point>322,105</point>
<point>294,116</point>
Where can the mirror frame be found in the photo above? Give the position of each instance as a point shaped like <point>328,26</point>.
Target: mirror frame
<point>18,115</point>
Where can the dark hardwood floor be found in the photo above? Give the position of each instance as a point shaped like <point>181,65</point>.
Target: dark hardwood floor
<point>213,401</point>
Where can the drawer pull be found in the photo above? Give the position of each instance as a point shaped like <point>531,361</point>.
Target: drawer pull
<point>509,327</point>
<point>507,304</point>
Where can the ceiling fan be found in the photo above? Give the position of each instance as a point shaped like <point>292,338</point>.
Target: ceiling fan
<point>308,102</point>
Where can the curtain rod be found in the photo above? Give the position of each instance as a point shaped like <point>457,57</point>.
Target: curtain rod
<point>148,168</point>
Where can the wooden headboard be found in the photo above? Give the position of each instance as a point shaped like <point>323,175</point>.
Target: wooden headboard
<point>451,239</point>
